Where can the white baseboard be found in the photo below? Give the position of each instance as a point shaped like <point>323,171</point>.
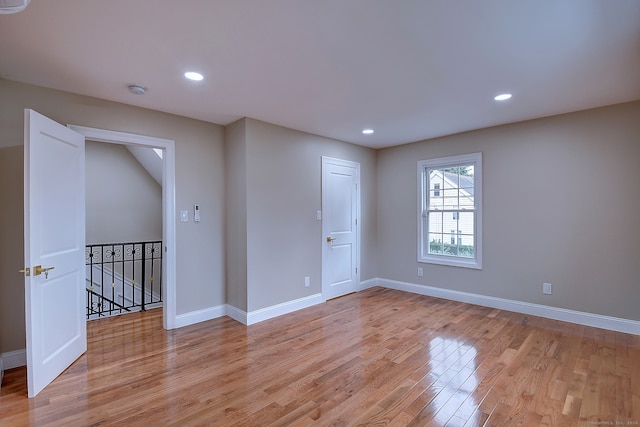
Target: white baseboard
<point>273,311</point>
<point>244,317</point>
<point>369,283</point>
<point>283,308</point>
<point>198,316</point>
<point>236,314</point>
<point>13,359</point>
<point>555,313</point>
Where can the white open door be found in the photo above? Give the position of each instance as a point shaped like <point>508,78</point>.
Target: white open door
<point>340,212</point>
<point>54,221</point>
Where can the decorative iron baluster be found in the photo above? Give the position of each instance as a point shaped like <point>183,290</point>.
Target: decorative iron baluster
<point>117,264</point>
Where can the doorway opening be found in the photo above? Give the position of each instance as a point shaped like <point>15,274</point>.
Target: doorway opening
<point>167,247</point>
<point>123,213</point>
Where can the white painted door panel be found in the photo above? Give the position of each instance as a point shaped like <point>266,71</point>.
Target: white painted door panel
<point>340,206</point>
<point>54,237</point>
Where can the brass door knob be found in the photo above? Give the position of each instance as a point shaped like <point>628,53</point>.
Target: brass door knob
<point>330,239</point>
<point>38,269</point>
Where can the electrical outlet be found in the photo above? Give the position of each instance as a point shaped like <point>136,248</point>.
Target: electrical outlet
<point>307,282</point>
<point>420,272</point>
<point>547,288</point>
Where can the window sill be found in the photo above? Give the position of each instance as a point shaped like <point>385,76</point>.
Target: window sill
<point>452,261</point>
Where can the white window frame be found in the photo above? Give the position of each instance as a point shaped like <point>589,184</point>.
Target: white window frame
<point>474,159</point>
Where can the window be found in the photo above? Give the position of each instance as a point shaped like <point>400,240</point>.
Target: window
<point>450,211</point>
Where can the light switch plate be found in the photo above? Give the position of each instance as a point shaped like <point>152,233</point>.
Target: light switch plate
<point>184,216</point>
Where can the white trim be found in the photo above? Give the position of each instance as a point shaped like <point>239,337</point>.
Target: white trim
<point>555,313</point>
<point>14,359</point>
<point>198,316</point>
<point>236,314</point>
<point>168,206</point>
<point>273,311</point>
<point>115,137</point>
<point>369,283</point>
<point>423,191</point>
<point>283,308</point>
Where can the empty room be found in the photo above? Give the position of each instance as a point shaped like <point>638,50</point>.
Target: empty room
<point>329,213</point>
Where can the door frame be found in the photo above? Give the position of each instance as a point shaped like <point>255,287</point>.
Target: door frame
<point>168,205</point>
<point>325,267</point>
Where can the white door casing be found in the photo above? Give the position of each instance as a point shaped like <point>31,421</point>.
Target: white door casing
<point>168,206</point>
<point>340,227</point>
<point>54,238</point>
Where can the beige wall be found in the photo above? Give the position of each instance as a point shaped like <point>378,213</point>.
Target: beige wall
<point>12,324</point>
<point>123,202</point>
<point>199,179</point>
<point>284,239</point>
<point>274,240</point>
<point>560,206</point>
<point>235,155</point>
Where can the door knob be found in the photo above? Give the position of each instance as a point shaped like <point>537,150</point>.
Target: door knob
<point>38,270</point>
<point>330,239</point>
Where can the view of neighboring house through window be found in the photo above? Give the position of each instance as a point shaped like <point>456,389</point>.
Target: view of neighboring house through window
<point>450,211</point>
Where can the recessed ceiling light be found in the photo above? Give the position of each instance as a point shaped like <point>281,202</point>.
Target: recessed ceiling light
<point>13,6</point>
<point>137,89</point>
<point>502,97</point>
<point>367,131</point>
<point>192,75</point>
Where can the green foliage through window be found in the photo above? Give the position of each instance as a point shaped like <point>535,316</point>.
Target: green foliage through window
<point>439,248</point>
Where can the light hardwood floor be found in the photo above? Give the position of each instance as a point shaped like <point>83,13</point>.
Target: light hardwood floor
<point>379,357</point>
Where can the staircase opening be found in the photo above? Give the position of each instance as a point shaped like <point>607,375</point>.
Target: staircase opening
<point>124,252</point>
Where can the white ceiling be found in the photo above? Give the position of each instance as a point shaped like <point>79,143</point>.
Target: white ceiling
<point>410,69</point>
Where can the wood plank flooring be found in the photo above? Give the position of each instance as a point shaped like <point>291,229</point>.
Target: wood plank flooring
<point>379,357</point>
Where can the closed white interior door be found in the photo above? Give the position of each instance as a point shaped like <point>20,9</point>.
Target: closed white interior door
<point>54,248</point>
<point>340,216</point>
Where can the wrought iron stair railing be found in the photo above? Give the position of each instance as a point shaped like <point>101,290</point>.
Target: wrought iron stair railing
<point>100,306</point>
<point>123,277</point>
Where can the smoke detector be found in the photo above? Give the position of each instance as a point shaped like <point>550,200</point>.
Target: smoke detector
<point>13,6</point>
<point>137,89</point>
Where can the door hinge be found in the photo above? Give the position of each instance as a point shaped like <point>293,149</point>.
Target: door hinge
<point>356,221</point>
<point>356,270</point>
